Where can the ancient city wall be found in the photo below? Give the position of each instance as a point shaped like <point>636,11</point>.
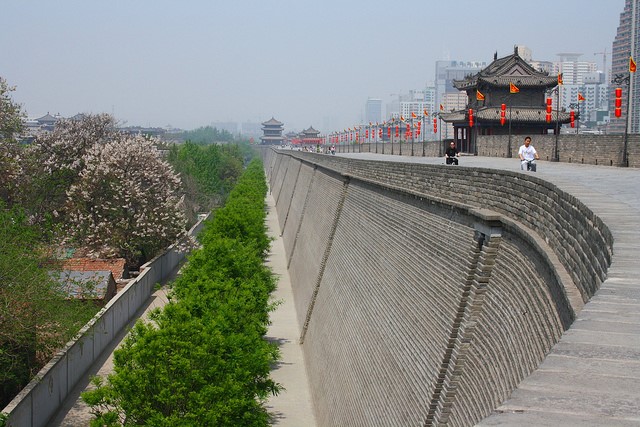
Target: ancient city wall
<point>605,150</point>
<point>417,307</point>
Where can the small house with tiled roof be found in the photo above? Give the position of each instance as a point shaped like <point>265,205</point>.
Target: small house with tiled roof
<point>272,132</point>
<point>516,84</point>
<point>116,265</point>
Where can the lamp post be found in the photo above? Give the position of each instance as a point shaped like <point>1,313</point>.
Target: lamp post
<point>619,79</point>
<point>393,122</point>
<point>556,157</point>
<point>412,132</point>
<point>423,131</point>
<point>576,106</point>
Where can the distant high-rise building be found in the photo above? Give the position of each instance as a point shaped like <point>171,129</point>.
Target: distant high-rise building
<point>575,75</point>
<point>448,71</point>
<point>625,45</point>
<point>373,111</point>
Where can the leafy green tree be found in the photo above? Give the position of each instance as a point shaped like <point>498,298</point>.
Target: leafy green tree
<point>11,118</point>
<point>208,172</point>
<point>203,360</point>
<point>35,317</point>
<point>207,135</point>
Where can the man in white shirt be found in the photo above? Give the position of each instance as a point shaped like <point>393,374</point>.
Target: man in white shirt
<point>527,154</point>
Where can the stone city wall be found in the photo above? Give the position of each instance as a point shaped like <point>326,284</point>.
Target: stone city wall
<point>605,150</point>
<point>401,290</point>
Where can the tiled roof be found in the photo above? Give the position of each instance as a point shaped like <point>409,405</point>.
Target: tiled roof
<point>116,266</point>
<point>48,118</point>
<point>510,69</point>
<point>518,114</point>
<point>272,121</point>
<point>523,114</point>
<point>454,116</point>
<point>311,130</point>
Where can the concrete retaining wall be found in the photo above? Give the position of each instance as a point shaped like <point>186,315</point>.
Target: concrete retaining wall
<point>43,396</point>
<point>422,308</point>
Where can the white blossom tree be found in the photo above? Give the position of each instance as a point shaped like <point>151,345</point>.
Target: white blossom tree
<point>55,160</point>
<point>126,202</point>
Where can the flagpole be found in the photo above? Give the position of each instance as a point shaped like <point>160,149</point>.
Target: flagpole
<point>423,131</point>
<point>556,156</point>
<point>412,132</point>
<point>392,134</point>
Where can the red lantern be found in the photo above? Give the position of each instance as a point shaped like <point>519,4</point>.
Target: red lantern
<point>397,131</point>
<point>435,126</point>
<point>618,110</point>
<point>548,116</point>
<point>470,117</point>
<point>503,113</point>
<point>572,117</point>
<point>389,132</point>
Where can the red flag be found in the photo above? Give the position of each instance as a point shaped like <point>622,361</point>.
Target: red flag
<point>441,107</point>
<point>632,65</point>
<point>479,95</point>
<point>413,115</point>
<point>560,78</point>
<point>580,97</point>
<point>425,113</point>
<point>513,88</point>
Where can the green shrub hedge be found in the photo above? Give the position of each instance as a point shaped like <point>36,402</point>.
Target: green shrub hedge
<point>203,359</point>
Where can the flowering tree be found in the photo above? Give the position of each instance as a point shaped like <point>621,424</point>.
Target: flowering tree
<point>10,126</point>
<point>126,201</point>
<point>54,162</point>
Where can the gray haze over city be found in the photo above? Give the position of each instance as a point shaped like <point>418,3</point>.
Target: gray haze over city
<point>192,63</point>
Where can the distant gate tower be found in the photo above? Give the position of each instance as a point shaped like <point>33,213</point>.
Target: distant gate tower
<point>272,132</point>
<point>508,81</point>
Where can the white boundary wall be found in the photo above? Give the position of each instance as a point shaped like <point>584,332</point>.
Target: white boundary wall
<point>43,396</point>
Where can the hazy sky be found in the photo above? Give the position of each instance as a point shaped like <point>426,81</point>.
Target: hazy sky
<point>190,63</point>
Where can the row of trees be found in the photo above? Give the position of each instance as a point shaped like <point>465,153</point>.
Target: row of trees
<point>203,360</point>
<point>207,135</point>
<point>85,185</point>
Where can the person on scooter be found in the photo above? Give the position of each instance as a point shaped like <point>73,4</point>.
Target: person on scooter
<point>451,154</point>
<point>527,155</point>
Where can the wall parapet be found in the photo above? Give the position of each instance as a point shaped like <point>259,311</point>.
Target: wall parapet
<point>404,310</point>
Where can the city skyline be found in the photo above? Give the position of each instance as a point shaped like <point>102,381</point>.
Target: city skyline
<point>306,64</point>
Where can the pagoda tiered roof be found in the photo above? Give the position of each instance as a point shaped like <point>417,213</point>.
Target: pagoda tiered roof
<point>504,71</point>
<point>272,122</point>
<point>311,131</point>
